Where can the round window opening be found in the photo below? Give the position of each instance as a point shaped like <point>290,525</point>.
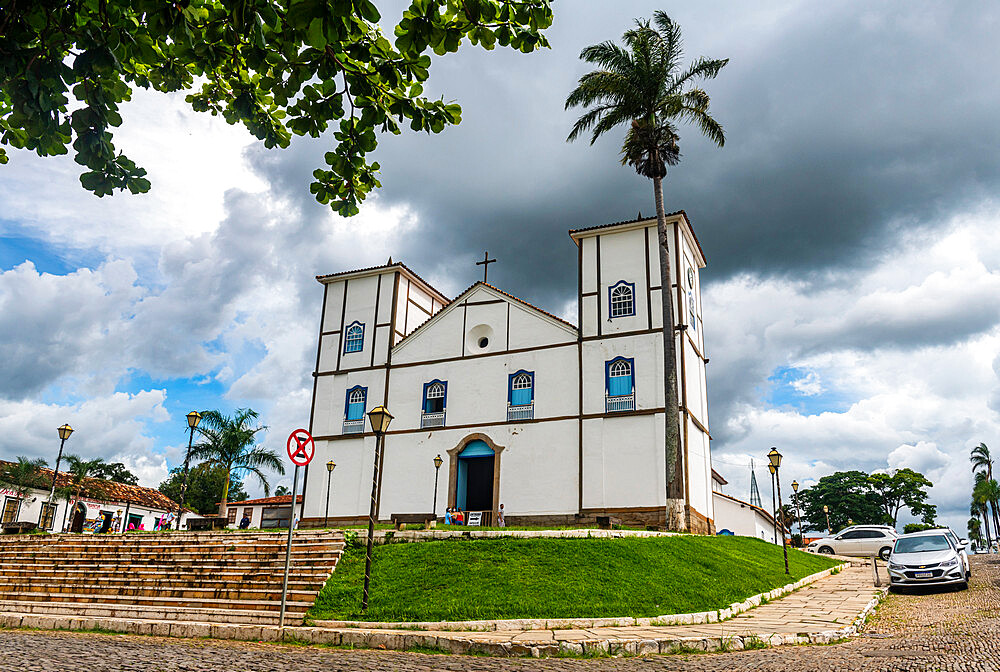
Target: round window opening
<point>483,342</point>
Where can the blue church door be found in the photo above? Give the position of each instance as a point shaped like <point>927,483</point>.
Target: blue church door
<point>475,477</point>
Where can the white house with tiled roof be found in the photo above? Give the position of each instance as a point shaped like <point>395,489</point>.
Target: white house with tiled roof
<point>264,512</point>
<point>96,505</point>
<point>561,423</point>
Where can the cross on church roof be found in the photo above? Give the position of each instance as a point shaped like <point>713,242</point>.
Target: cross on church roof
<point>485,263</point>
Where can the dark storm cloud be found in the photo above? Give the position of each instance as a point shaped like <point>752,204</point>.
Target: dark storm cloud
<point>844,124</point>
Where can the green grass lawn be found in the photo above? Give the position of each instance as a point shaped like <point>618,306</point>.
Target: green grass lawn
<point>460,579</point>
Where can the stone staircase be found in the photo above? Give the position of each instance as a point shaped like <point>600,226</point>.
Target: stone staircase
<point>220,577</point>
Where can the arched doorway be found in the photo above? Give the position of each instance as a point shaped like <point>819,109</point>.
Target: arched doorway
<point>79,518</point>
<point>474,488</point>
<point>474,477</point>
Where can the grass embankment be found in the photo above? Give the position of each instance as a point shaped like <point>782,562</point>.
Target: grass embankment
<point>557,578</point>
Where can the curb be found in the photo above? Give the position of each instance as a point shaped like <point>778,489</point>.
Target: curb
<point>503,625</point>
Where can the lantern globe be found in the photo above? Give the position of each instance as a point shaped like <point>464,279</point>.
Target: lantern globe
<point>65,431</point>
<point>795,486</point>
<point>774,457</point>
<point>194,417</point>
<point>379,417</point>
<point>331,465</point>
<point>437,461</point>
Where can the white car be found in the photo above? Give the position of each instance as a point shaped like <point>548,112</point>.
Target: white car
<point>857,540</point>
<point>927,558</point>
<point>962,546</point>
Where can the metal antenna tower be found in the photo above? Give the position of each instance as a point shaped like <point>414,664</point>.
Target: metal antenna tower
<point>754,492</point>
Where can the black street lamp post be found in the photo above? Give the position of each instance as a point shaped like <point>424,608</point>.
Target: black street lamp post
<point>437,470</point>
<point>798,514</point>
<point>64,433</point>
<point>193,418</point>
<point>775,458</point>
<point>330,466</point>
<point>774,511</point>
<point>380,419</point>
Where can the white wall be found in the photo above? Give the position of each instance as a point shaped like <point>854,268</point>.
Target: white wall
<point>741,519</point>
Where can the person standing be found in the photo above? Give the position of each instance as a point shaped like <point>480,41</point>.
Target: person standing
<point>501,522</point>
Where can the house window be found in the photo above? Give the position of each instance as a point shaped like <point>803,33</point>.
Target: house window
<point>354,410</point>
<point>355,338</point>
<point>48,516</point>
<point>521,396</point>
<point>694,314</point>
<point>10,506</point>
<point>435,402</point>
<point>248,512</point>
<point>231,512</point>
<point>620,385</point>
<point>622,298</point>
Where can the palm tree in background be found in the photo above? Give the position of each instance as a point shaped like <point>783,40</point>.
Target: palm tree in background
<point>230,443</point>
<point>21,476</point>
<point>981,460</point>
<point>79,470</point>
<point>643,86</point>
<point>982,465</point>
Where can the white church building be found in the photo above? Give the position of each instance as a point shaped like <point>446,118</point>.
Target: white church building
<point>560,423</point>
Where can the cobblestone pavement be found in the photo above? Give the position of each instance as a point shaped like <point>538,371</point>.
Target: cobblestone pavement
<point>932,630</point>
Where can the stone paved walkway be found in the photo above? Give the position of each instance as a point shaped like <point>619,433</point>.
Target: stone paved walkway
<point>931,630</point>
<point>818,613</point>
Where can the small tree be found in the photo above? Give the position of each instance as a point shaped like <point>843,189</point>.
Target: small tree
<point>205,486</point>
<point>903,488</point>
<point>230,442</point>
<point>22,476</point>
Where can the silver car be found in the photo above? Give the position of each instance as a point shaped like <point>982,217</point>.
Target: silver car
<point>857,540</point>
<point>927,558</point>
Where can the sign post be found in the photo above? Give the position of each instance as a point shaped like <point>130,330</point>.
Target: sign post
<point>301,449</point>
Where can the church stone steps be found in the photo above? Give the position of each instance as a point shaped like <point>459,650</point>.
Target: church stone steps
<point>152,600</point>
<point>158,613</point>
<point>219,577</point>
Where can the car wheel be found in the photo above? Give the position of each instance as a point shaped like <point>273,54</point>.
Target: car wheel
<point>825,550</point>
<point>885,553</point>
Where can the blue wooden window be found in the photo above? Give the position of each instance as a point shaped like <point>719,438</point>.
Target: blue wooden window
<point>355,337</point>
<point>521,388</point>
<point>354,408</point>
<point>620,379</point>
<point>621,299</point>
<point>435,396</point>
<point>694,313</point>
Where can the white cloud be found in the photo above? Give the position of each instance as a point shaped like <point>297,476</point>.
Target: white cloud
<point>911,345</point>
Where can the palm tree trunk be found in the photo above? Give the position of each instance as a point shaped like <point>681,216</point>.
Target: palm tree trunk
<point>225,494</point>
<point>986,525</point>
<point>676,519</point>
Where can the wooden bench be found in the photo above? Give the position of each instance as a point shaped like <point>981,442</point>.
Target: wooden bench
<point>207,523</point>
<point>19,527</point>
<point>609,523</point>
<point>401,520</point>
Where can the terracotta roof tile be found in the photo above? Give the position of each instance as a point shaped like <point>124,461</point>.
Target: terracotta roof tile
<point>395,264</point>
<point>96,488</point>
<point>278,499</point>
<point>497,289</point>
<point>643,219</point>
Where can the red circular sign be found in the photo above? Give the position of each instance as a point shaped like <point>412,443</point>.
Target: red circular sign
<point>301,447</point>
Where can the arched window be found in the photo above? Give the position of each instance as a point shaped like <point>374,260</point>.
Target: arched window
<point>435,394</point>
<point>622,298</point>
<point>356,403</point>
<point>620,377</point>
<point>354,340</point>
<point>522,388</point>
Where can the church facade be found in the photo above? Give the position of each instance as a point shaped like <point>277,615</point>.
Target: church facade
<point>560,423</point>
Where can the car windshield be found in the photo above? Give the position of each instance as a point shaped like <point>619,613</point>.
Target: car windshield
<point>937,542</point>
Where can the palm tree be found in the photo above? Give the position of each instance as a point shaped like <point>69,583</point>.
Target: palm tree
<point>79,470</point>
<point>981,459</point>
<point>22,476</point>
<point>643,86</point>
<point>230,443</point>
<point>983,462</point>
